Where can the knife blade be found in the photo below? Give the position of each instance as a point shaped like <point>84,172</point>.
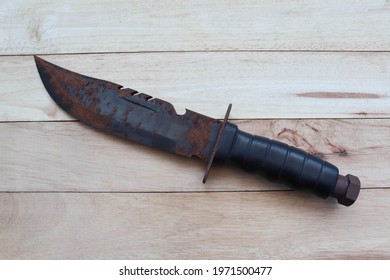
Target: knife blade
<point>144,119</point>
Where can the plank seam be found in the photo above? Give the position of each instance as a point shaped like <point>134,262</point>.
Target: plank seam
<point>167,192</point>
<point>230,119</point>
<point>202,51</point>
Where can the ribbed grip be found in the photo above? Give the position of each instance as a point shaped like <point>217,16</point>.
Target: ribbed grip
<point>277,161</point>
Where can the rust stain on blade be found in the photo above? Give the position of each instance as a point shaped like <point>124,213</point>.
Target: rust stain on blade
<point>198,134</point>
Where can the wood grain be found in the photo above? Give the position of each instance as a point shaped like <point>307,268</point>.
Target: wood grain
<point>271,225</point>
<point>260,85</point>
<point>40,26</point>
<point>68,156</point>
<point>313,74</point>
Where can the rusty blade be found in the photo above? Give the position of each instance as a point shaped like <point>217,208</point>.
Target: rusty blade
<point>128,113</point>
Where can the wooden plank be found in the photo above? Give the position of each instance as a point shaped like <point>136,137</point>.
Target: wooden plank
<point>40,26</point>
<point>260,85</point>
<point>68,156</point>
<point>271,225</point>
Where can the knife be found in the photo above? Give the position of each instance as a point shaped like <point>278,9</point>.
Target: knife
<point>144,119</point>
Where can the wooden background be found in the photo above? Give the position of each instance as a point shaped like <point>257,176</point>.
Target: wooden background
<point>314,74</point>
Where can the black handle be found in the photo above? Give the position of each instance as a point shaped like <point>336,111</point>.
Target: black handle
<point>283,163</point>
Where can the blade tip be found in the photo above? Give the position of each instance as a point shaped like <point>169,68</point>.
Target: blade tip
<point>39,61</point>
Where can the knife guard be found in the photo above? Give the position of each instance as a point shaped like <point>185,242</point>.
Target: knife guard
<point>280,162</point>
